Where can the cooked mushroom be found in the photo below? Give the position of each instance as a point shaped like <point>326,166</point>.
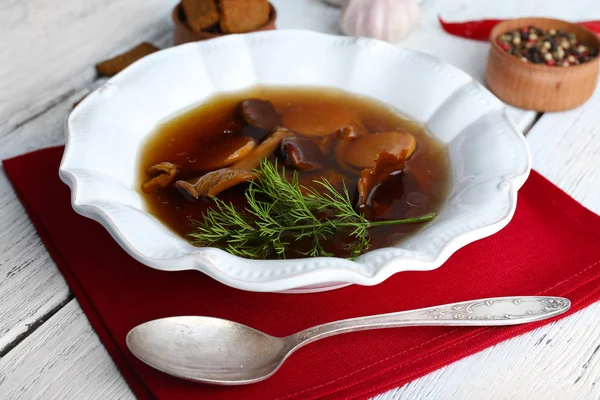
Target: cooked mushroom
<point>225,153</point>
<point>345,135</point>
<point>213,183</point>
<point>351,132</point>
<point>301,153</point>
<point>326,143</point>
<point>362,151</point>
<point>162,174</point>
<point>263,150</point>
<point>384,166</point>
<point>260,113</point>
<point>254,132</point>
<point>337,180</point>
<point>316,120</point>
<point>164,167</point>
<point>340,151</point>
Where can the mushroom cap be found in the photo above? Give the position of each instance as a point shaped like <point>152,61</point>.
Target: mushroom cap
<point>162,175</point>
<point>361,152</point>
<point>385,165</point>
<point>317,119</point>
<point>302,153</point>
<point>260,113</point>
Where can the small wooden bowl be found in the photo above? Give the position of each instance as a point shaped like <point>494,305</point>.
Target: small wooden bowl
<point>538,86</point>
<point>183,33</point>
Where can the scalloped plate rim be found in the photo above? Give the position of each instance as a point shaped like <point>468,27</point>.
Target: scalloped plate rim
<point>295,283</point>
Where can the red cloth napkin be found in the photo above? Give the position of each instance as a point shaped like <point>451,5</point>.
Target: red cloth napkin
<point>551,247</point>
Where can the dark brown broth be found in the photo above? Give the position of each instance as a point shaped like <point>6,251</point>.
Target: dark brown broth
<point>183,139</point>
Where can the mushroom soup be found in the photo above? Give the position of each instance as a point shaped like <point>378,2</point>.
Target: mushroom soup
<point>390,166</point>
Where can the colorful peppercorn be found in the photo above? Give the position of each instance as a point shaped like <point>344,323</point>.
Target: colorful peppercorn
<point>552,47</point>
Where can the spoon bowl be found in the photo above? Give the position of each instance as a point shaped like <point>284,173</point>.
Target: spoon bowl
<point>217,351</point>
<point>208,349</point>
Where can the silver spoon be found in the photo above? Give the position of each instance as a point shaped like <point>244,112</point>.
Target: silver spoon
<point>217,351</point>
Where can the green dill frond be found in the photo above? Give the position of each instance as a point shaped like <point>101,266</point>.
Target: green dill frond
<point>277,205</point>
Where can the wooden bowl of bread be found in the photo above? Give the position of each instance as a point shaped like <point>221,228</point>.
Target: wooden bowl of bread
<point>556,78</point>
<point>207,19</point>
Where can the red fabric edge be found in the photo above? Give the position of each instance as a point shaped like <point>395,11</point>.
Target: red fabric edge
<point>133,380</point>
<point>353,389</point>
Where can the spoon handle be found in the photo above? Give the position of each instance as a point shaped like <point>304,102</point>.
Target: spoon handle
<point>484,312</point>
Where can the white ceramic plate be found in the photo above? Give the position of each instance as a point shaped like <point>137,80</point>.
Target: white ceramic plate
<point>489,157</point>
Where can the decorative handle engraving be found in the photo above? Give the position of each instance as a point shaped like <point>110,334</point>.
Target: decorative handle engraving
<point>309,333</point>
<point>498,309</point>
<point>484,312</point>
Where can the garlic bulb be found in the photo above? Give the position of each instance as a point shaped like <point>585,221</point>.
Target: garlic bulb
<point>389,20</point>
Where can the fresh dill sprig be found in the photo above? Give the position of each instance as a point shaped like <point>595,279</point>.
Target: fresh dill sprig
<point>277,206</point>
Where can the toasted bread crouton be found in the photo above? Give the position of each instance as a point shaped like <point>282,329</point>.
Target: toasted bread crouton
<point>118,63</point>
<point>239,16</point>
<point>200,14</point>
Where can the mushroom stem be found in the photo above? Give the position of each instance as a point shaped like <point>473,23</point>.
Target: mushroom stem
<point>214,182</point>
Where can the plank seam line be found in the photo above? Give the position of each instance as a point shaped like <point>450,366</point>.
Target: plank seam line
<point>530,126</point>
<point>50,105</point>
<point>35,325</point>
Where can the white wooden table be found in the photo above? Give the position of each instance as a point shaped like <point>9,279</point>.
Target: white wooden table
<point>47,51</point>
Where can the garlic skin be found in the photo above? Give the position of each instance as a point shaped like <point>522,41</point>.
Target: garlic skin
<point>389,20</point>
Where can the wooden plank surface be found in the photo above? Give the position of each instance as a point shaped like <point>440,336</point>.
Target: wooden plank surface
<point>571,159</point>
<point>51,362</point>
<point>49,49</point>
<point>30,285</point>
<point>65,361</point>
<point>560,361</point>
